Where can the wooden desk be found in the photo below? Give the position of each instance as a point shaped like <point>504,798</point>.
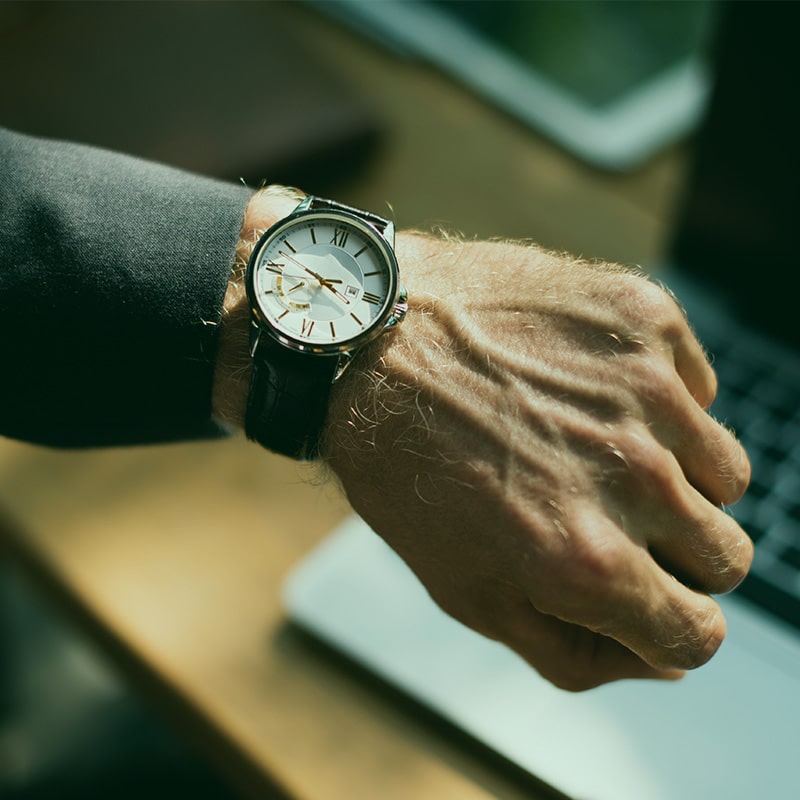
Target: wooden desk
<point>172,557</point>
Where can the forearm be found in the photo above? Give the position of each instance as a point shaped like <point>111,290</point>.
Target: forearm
<point>112,274</point>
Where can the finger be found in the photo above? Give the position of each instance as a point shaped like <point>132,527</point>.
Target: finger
<point>655,506</point>
<point>688,358</point>
<point>572,657</point>
<point>607,583</point>
<point>699,543</point>
<point>713,460</point>
<point>711,457</point>
<point>569,656</point>
<point>692,364</point>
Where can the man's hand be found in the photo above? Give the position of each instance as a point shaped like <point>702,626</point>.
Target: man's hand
<point>533,442</point>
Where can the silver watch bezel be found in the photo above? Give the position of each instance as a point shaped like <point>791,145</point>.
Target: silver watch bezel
<point>390,313</point>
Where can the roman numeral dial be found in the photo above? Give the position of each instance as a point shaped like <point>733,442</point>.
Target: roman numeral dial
<point>323,279</point>
<point>340,237</point>
<point>372,298</point>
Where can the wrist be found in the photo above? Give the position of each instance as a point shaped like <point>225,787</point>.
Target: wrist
<point>233,365</point>
<point>417,254</point>
<point>389,374</point>
<point>386,400</point>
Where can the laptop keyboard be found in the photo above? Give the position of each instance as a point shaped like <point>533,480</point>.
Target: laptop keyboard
<point>759,398</point>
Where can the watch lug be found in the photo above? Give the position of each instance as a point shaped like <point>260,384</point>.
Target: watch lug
<point>344,362</point>
<point>388,233</point>
<point>400,309</point>
<point>255,338</point>
<point>305,204</point>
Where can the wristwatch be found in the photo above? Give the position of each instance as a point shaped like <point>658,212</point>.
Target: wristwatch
<point>321,283</point>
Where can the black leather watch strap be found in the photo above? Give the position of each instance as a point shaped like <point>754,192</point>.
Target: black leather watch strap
<point>379,223</point>
<point>288,399</point>
<point>290,385</point>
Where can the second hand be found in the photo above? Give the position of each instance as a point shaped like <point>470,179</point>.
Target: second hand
<point>326,282</point>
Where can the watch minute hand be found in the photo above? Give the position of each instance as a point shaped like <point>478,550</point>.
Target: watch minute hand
<point>326,282</point>
<point>336,292</point>
<point>311,272</point>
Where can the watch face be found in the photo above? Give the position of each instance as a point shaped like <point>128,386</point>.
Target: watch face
<point>323,281</point>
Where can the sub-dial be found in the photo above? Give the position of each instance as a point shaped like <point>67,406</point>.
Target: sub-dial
<point>294,291</point>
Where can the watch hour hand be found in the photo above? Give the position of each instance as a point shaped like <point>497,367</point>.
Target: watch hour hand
<point>326,282</point>
<point>339,295</point>
<point>302,266</point>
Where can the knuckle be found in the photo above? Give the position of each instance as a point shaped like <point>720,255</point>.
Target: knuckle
<point>663,312</point>
<point>734,469</point>
<point>708,641</point>
<point>635,443</point>
<point>701,637</point>
<point>597,562</point>
<point>709,553</point>
<point>732,565</point>
<point>651,304</point>
<point>705,392</point>
<point>642,456</point>
<point>590,567</point>
<point>657,383</point>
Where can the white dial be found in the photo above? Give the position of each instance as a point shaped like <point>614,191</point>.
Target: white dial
<point>323,280</point>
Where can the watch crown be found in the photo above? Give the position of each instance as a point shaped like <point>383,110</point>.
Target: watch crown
<point>400,309</point>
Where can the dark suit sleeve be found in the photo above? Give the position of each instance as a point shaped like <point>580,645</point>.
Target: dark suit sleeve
<point>112,276</point>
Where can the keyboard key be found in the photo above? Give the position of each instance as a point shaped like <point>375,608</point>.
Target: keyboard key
<point>787,486</point>
<point>778,396</point>
<point>791,556</point>
<point>767,430</point>
<point>784,604</point>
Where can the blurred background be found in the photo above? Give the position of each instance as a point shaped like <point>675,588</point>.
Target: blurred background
<point>371,103</point>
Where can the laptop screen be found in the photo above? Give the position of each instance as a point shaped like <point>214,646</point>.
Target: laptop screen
<point>600,52</point>
<point>737,229</point>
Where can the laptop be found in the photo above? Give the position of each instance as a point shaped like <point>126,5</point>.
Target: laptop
<point>731,729</point>
<point>639,82</point>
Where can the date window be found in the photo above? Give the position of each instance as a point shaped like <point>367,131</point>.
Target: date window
<point>351,292</point>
